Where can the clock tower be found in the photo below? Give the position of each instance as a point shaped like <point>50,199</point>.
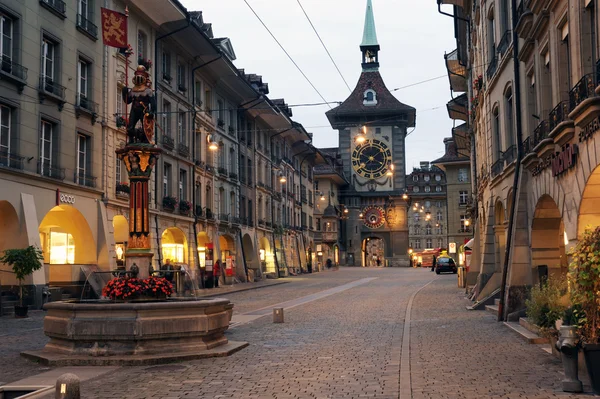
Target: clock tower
<point>372,126</point>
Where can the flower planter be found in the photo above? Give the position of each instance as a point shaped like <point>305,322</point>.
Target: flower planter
<point>592,361</point>
<point>21,311</point>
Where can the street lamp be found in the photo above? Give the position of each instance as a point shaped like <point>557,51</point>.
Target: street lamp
<point>282,178</point>
<point>362,135</point>
<point>322,196</point>
<point>212,145</point>
<point>405,196</point>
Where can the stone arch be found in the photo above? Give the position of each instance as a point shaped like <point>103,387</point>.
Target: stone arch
<point>226,247</point>
<point>589,211</point>
<point>548,239</point>
<point>67,240</point>
<point>499,234</point>
<point>266,257</point>
<point>10,238</point>
<point>249,252</point>
<point>174,245</point>
<point>369,251</point>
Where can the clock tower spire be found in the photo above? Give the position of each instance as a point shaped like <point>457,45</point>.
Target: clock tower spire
<point>369,46</point>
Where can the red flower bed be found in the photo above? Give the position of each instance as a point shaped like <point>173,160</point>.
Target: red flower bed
<point>127,288</point>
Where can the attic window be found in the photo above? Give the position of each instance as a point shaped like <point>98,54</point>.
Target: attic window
<point>370,98</point>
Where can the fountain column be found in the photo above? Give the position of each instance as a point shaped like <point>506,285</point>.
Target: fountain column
<point>139,159</point>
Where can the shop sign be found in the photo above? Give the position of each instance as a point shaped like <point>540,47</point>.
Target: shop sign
<point>452,247</point>
<point>565,159</point>
<point>560,161</point>
<point>63,198</point>
<point>588,130</point>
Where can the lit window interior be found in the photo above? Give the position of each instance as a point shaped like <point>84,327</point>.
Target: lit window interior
<point>62,248</point>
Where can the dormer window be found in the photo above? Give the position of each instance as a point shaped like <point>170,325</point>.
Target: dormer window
<point>370,98</point>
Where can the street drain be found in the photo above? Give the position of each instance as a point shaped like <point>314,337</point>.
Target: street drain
<point>166,368</point>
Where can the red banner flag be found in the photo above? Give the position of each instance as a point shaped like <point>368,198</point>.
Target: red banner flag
<point>114,28</point>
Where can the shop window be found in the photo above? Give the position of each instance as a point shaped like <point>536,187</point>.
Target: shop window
<point>174,252</point>
<point>61,248</point>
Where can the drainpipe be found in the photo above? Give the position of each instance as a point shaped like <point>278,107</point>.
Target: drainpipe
<point>511,221</point>
<point>195,199</point>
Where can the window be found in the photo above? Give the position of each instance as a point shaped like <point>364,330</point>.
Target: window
<point>310,222</point>
<point>83,153</point>
<point>428,243</point>
<point>166,65</point>
<point>209,197</point>
<point>4,130</point>
<point>62,248</point>
<point>242,170</point>
<point>415,177</point>
<point>232,203</point>
<point>463,197</point>
<point>222,204</point>
<point>118,175</point>
<point>417,244</point>
<point>82,8</point>
<point>221,112</point>
<point>427,189</point>
<point>491,36</point>
<point>249,172</point>
<point>463,224</point>
<point>208,100</point>
<point>416,189</point>
<point>438,229</point>
<point>46,140</point>
<point>166,118</point>
<point>508,104</point>
<point>48,60</point>
<point>438,216</point>
<point>417,217</point>
<point>440,243</point>
<point>438,204</point>
<point>427,204</point>
<point>377,130</point>
<point>496,132</point>
<point>370,98</point>
<point>83,81</point>
<point>181,128</point>
<point>318,224</point>
<point>182,185</point>
<point>428,231</point>
<point>438,189</point>
<point>181,77</point>
<point>438,178</point>
<point>141,44</point>
<point>119,108</point>
<point>463,175</point>
<point>250,213</point>
<point>6,29</point>
<point>166,180</point>
<point>426,177</point>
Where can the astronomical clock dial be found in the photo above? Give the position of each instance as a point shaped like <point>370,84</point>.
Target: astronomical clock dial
<point>371,159</point>
<point>374,217</point>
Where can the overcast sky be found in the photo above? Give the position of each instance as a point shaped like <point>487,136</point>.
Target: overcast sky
<point>413,37</point>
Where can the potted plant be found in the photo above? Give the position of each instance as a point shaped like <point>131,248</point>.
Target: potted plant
<point>122,187</point>
<point>185,207</point>
<point>169,203</point>
<point>584,280</point>
<point>24,261</point>
<point>568,345</point>
<point>547,305</point>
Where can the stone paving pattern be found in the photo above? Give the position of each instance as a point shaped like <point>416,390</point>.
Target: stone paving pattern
<point>346,345</point>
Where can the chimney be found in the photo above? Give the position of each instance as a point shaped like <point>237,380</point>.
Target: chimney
<point>424,165</point>
<point>450,146</point>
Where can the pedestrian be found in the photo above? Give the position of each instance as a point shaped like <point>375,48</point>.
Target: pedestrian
<point>329,263</point>
<point>167,266</point>
<point>433,263</point>
<point>378,261</point>
<point>217,273</point>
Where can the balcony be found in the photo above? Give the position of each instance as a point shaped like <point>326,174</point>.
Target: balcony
<point>510,154</point>
<point>183,150</point>
<point>84,180</point>
<point>560,128</point>
<point>200,164</point>
<point>86,26</point>
<point>497,168</point>
<point>53,172</point>
<point>504,43</point>
<point>233,176</point>
<point>329,236</point>
<point>463,230</point>
<point>456,72</point>
<point>457,108</point>
<point>527,146</point>
<point>168,142</point>
<point>223,171</point>
<point>231,130</point>
<point>14,72</point>
<point>491,69</point>
<point>209,214</point>
<point>224,217</point>
<point>51,89</point>
<point>525,19</point>
<point>11,160</point>
<point>57,7</point>
<point>221,123</point>
<point>236,220</point>
<point>542,144</point>
<point>262,222</point>
<point>199,212</point>
<point>583,101</point>
<point>86,106</point>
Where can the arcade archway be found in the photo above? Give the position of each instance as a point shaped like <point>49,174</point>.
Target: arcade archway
<point>174,245</point>
<point>589,211</point>
<point>548,258</point>
<point>202,239</point>
<point>227,245</point>
<point>373,252</point>
<point>267,260</point>
<point>499,235</point>
<point>66,240</point>
<point>10,237</point>
<point>249,253</point>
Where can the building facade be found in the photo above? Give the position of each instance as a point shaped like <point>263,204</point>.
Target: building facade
<point>428,213</point>
<point>372,127</point>
<point>543,130</point>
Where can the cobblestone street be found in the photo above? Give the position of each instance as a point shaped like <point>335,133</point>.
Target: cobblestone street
<point>346,345</point>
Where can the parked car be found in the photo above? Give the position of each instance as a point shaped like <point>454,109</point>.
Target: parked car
<point>445,264</point>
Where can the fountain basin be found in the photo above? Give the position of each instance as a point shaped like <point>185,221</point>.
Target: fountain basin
<point>135,333</point>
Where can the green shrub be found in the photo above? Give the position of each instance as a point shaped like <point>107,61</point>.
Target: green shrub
<point>548,303</point>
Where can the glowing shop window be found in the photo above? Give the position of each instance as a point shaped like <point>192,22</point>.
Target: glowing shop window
<point>62,248</point>
<point>173,252</point>
<point>202,256</point>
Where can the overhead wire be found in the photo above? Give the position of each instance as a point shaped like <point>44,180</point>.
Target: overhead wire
<point>287,54</point>
<point>324,46</point>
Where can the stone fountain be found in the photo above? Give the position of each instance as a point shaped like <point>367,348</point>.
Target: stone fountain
<point>104,332</point>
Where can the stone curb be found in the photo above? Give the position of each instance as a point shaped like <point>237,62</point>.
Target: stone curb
<point>254,287</point>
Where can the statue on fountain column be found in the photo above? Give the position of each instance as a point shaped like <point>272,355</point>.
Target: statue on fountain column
<point>143,108</point>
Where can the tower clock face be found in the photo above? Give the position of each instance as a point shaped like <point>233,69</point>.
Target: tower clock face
<point>371,159</point>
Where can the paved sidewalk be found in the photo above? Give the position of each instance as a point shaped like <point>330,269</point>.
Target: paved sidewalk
<point>224,289</point>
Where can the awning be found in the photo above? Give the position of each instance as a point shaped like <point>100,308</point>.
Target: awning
<point>458,3</point>
<point>470,244</point>
<point>159,12</point>
<point>462,138</point>
<point>457,108</point>
<point>457,73</point>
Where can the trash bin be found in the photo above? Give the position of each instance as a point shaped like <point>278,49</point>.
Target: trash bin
<point>462,277</point>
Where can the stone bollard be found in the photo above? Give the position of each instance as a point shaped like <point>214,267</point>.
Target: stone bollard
<point>277,315</point>
<point>67,387</point>
<point>567,345</point>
